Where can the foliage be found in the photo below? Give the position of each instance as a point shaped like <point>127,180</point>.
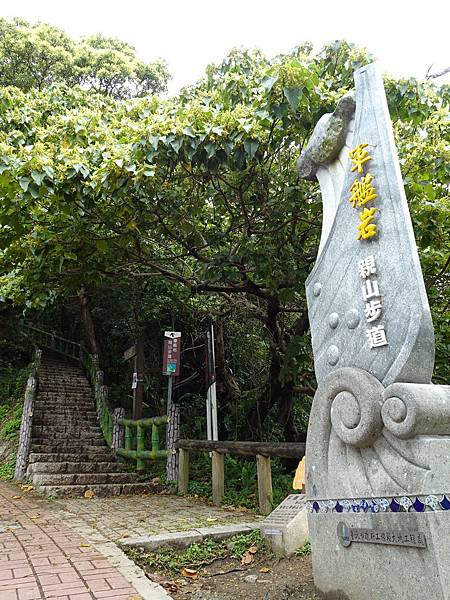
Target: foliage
<point>194,203</point>
<point>7,469</point>
<point>197,555</point>
<point>39,55</point>
<point>304,550</point>
<point>12,386</point>
<point>241,484</point>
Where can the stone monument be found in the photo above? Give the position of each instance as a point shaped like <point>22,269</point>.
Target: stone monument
<point>378,445</point>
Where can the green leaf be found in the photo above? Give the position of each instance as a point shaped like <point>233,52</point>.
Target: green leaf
<point>210,148</point>
<point>250,147</point>
<point>293,96</point>
<point>176,144</point>
<point>24,182</point>
<point>38,178</point>
<point>269,81</point>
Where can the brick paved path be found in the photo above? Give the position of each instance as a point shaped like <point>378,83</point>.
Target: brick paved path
<point>123,517</point>
<point>43,558</point>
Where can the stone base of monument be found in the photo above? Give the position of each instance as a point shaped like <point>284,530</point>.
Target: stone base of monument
<point>403,556</point>
<point>286,528</point>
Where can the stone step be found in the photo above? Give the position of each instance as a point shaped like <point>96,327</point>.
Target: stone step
<point>98,490</point>
<point>70,448</point>
<point>75,467</point>
<point>82,478</point>
<point>51,418</point>
<point>53,392</point>
<point>87,406</point>
<point>77,430</point>
<point>101,455</point>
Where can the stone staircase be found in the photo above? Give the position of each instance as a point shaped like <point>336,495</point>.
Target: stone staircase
<point>69,455</point>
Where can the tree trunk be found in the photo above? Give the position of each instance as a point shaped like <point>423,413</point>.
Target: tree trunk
<point>173,434</point>
<point>88,323</point>
<point>228,392</point>
<point>278,393</point>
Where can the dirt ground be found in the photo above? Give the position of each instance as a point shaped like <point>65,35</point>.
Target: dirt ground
<point>227,579</point>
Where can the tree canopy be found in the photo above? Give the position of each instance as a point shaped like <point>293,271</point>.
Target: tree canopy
<point>38,55</point>
<point>200,193</point>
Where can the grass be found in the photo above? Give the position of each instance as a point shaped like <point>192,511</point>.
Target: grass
<point>304,550</point>
<point>7,469</point>
<point>171,560</point>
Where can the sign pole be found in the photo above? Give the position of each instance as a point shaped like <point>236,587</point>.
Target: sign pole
<point>211,397</point>
<point>169,394</point>
<point>213,391</point>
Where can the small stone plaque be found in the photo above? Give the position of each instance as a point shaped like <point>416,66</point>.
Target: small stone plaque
<point>286,528</point>
<point>287,510</point>
<point>347,535</point>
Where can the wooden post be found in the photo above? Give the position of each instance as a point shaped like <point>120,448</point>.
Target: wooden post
<point>264,484</point>
<point>217,478</point>
<point>183,471</point>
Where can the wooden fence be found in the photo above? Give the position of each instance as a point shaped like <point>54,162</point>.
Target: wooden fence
<point>263,452</point>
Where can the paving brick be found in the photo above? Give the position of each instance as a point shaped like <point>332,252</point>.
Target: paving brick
<point>57,561</point>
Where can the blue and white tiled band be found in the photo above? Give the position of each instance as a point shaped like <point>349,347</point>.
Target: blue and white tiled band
<point>374,505</point>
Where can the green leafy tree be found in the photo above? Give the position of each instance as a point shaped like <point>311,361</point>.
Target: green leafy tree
<point>201,192</point>
<point>39,55</point>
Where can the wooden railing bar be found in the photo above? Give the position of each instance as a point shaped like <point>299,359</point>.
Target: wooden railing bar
<point>274,449</point>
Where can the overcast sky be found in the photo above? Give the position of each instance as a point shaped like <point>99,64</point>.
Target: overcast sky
<point>407,37</point>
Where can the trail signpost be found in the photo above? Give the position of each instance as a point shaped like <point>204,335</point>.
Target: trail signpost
<point>171,368</point>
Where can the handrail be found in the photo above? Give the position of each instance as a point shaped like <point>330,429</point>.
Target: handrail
<point>53,342</point>
<point>106,416</point>
<point>141,454</point>
<point>117,431</point>
<point>262,450</point>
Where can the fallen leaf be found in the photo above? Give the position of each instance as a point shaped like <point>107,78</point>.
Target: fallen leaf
<point>16,497</point>
<point>156,481</point>
<point>134,597</point>
<point>88,494</point>
<point>264,570</point>
<point>189,573</point>
<point>83,545</point>
<point>211,519</point>
<point>27,488</point>
<point>247,559</point>
<point>253,549</point>
<point>125,534</point>
<point>170,586</point>
<point>37,516</point>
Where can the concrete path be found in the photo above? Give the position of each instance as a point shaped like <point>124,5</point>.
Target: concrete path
<point>41,557</point>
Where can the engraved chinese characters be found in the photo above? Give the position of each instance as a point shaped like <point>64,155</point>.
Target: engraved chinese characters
<point>373,301</point>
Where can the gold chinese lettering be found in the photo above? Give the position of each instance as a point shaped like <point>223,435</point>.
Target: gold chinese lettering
<point>362,191</point>
<point>367,229</point>
<point>359,156</point>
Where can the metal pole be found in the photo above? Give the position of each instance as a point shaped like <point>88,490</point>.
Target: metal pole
<point>208,414</point>
<point>213,394</point>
